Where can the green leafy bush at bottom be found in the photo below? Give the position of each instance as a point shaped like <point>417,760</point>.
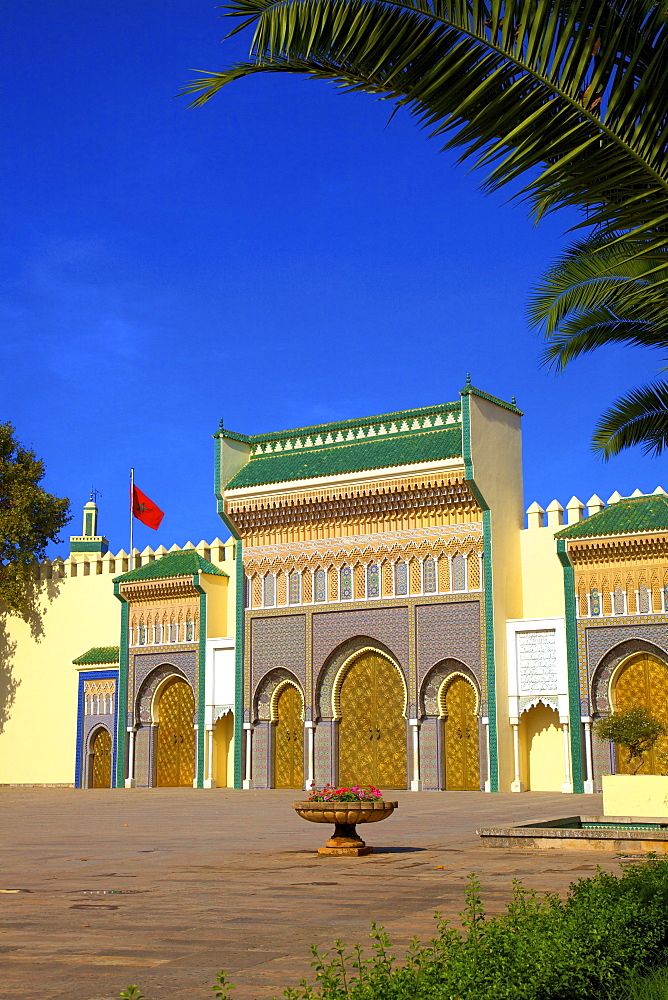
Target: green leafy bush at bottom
<point>541,948</point>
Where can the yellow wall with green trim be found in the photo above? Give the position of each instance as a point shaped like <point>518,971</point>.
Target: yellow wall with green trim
<point>542,574</point>
<point>39,683</point>
<point>220,604</point>
<point>496,446</point>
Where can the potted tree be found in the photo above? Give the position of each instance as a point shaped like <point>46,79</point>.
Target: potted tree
<point>636,733</point>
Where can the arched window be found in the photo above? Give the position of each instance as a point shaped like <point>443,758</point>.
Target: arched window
<point>372,580</point>
<point>158,633</point>
<point>401,579</point>
<point>174,632</point>
<point>295,588</point>
<point>142,634</point>
<point>89,706</point>
<point>643,599</point>
<point>458,572</point>
<point>269,595</point>
<point>346,586</point>
<point>320,582</point>
<point>429,576</point>
<point>190,634</point>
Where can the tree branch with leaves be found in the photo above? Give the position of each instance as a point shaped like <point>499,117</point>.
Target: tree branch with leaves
<point>30,518</point>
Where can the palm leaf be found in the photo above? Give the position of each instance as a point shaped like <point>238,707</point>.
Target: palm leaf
<point>641,417</point>
<point>598,294</point>
<point>569,93</point>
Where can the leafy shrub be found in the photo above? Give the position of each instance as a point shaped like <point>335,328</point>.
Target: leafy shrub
<point>541,948</point>
<point>635,730</point>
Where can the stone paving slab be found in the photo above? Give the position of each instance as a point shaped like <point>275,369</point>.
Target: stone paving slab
<point>163,887</point>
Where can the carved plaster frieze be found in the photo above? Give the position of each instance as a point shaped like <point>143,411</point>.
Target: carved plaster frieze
<point>471,529</point>
<point>150,591</point>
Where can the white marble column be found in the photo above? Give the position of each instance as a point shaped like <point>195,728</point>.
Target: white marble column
<point>310,755</point>
<point>248,780</point>
<point>589,758</point>
<point>416,781</point>
<point>567,786</point>
<point>516,785</point>
<point>488,777</point>
<point>130,780</point>
<point>209,781</point>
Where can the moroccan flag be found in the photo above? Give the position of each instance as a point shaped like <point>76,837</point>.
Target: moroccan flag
<point>145,510</point>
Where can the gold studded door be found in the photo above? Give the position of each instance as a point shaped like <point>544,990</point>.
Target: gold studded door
<point>101,753</point>
<point>176,736</point>
<point>372,727</point>
<point>462,762</point>
<point>289,739</point>
<point>643,683</point>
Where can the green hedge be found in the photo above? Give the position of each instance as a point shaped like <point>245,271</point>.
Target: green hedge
<point>541,948</point>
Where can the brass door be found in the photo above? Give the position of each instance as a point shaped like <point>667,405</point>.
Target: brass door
<point>372,729</point>
<point>101,754</point>
<point>462,762</point>
<point>289,739</point>
<point>176,736</point>
<point>643,683</point>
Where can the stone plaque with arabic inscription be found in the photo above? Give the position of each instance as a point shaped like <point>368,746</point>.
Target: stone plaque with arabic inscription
<point>537,662</point>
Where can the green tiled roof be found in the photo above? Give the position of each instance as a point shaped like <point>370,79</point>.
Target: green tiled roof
<point>186,562</point>
<point>98,654</point>
<point>330,460</point>
<point>637,514</point>
<point>418,413</point>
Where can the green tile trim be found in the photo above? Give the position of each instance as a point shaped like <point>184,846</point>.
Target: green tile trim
<point>99,545</point>
<point>342,425</point>
<point>470,390</point>
<point>407,448</point>
<point>122,700</point>
<point>634,514</point>
<point>239,620</point>
<point>572,667</point>
<point>185,562</point>
<point>490,658</point>
<point>99,654</point>
<point>201,682</point>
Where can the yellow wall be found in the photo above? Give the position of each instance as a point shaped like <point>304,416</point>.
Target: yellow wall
<point>542,574</point>
<point>39,684</point>
<point>542,742</point>
<point>38,681</point>
<point>218,618</point>
<point>223,751</point>
<point>496,446</point>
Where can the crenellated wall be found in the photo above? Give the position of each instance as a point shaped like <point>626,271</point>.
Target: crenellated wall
<point>38,682</point>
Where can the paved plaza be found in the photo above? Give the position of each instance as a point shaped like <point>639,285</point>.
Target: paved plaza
<point>163,887</point>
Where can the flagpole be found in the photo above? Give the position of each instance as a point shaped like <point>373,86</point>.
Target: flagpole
<point>132,496</point>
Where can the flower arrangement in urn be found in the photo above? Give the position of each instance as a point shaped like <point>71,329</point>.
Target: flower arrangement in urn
<point>358,793</point>
<point>345,807</point>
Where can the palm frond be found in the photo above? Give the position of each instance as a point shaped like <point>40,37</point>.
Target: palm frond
<point>568,92</point>
<point>597,294</point>
<point>639,418</point>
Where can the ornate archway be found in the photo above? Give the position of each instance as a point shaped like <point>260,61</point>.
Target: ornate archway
<point>642,681</point>
<point>174,710</point>
<point>287,711</point>
<point>369,700</point>
<point>100,759</point>
<point>458,701</point>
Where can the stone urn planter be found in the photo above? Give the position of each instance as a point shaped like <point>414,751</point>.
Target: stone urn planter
<point>345,816</point>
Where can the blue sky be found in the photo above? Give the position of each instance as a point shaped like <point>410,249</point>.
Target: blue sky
<point>281,257</point>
